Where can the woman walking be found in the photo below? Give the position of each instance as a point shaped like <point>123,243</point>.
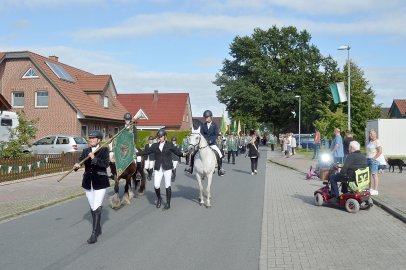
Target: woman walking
<point>163,166</point>
<point>253,154</point>
<point>374,151</point>
<point>95,180</point>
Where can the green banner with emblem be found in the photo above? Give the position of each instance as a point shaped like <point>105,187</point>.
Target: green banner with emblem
<point>124,150</point>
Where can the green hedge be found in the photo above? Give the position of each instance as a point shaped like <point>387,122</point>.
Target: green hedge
<point>143,135</point>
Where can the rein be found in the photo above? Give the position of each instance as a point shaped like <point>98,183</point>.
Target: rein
<point>198,144</point>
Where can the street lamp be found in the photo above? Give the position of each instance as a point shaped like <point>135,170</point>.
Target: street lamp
<point>300,99</point>
<point>347,47</point>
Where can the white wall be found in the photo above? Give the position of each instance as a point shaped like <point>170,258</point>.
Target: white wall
<point>391,133</point>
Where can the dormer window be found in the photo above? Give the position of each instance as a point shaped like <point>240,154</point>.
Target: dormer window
<point>30,74</point>
<point>106,102</point>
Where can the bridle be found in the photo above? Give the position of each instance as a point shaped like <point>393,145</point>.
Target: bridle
<point>197,146</point>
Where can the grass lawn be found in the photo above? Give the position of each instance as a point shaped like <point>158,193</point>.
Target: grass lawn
<point>307,153</point>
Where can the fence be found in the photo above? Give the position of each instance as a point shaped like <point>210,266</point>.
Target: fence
<point>24,167</point>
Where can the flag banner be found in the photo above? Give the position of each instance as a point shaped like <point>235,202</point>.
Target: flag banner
<point>338,92</point>
<point>223,128</point>
<point>235,127</point>
<point>123,150</point>
<point>239,128</point>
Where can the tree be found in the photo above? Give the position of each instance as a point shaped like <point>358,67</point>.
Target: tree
<point>265,73</point>
<point>19,136</point>
<point>363,107</point>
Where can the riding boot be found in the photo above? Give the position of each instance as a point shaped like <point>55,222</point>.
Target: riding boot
<point>149,174</point>
<point>221,172</point>
<point>168,198</point>
<point>96,224</point>
<point>158,196</point>
<point>192,162</point>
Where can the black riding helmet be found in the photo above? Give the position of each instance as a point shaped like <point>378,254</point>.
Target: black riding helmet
<point>151,138</point>
<point>161,132</point>
<point>96,134</point>
<point>127,116</point>
<point>207,113</point>
<point>173,139</point>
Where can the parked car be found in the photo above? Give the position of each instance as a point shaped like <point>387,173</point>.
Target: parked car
<point>56,144</point>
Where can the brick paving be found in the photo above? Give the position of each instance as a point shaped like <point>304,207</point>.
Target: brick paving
<point>296,234</point>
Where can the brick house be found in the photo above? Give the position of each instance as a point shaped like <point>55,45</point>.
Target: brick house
<point>171,111</point>
<point>398,109</point>
<point>4,105</point>
<point>65,99</point>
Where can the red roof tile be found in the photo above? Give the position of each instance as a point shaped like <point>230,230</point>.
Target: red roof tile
<point>93,83</point>
<point>401,104</point>
<point>76,95</point>
<point>167,110</point>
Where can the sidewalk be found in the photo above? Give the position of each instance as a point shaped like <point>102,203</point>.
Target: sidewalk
<point>392,186</point>
<point>26,195</point>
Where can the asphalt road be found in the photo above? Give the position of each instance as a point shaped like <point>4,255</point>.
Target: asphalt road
<point>139,236</point>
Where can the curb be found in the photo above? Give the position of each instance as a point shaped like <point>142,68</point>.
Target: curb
<point>391,210</point>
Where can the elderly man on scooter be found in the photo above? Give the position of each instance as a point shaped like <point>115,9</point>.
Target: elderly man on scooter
<point>354,161</point>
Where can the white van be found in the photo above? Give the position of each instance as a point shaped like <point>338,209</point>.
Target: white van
<point>7,120</point>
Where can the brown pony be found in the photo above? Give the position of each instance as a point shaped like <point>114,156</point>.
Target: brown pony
<point>135,171</point>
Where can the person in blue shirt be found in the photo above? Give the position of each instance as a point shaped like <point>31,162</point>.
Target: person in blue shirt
<point>337,148</point>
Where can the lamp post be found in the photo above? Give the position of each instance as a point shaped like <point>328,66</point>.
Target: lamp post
<point>300,99</point>
<point>347,47</point>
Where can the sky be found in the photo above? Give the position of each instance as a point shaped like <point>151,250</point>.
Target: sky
<point>179,45</point>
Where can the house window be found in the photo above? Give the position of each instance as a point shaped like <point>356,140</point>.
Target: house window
<point>41,99</point>
<point>30,74</point>
<point>106,102</point>
<point>116,129</point>
<point>17,100</point>
<point>85,130</point>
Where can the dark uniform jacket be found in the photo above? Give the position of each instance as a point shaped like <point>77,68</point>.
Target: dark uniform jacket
<point>163,158</point>
<point>252,151</point>
<point>354,161</point>
<point>209,134</point>
<point>150,156</point>
<point>174,156</point>
<point>95,169</point>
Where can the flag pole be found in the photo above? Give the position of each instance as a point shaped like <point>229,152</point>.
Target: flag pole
<point>106,143</point>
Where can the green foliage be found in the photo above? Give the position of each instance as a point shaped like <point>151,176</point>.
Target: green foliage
<point>19,136</point>
<point>144,134</point>
<point>265,73</point>
<point>330,121</point>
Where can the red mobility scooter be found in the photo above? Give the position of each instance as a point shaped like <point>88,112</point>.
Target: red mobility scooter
<point>358,196</point>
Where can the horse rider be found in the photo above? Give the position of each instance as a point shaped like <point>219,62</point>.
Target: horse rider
<point>95,180</point>
<point>163,151</point>
<point>210,132</point>
<point>175,159</point>
<point>150,159</point>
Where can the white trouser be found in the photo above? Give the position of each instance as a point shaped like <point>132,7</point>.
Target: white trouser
<point>95,197</point>
<point>175,163</point>
<point>149,164</point>
<point>158,177</point>
<point>215,147</point>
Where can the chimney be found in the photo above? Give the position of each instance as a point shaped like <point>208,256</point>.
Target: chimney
<point>54,58</point>
<point>155,98</point>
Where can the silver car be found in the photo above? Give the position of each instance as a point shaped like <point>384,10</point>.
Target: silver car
<point>56,144</point>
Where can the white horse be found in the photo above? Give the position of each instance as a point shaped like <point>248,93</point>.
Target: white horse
<point>205,163</point>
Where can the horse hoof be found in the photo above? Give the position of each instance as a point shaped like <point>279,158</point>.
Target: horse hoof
<point>115,202</point>
<point>141,193</point>
<point>208,206</point>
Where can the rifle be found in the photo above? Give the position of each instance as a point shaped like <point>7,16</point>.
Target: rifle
<point>106,143</point>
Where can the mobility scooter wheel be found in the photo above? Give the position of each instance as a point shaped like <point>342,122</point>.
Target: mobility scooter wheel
<point>318,199</point>
<point>352,205</point>
<point>367,205</point>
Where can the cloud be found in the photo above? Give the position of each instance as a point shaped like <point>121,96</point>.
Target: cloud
<point>174,23</point>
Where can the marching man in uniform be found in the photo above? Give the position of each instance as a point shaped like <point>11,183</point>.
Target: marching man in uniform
<point>95,180</point>
<point>210,132</point>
